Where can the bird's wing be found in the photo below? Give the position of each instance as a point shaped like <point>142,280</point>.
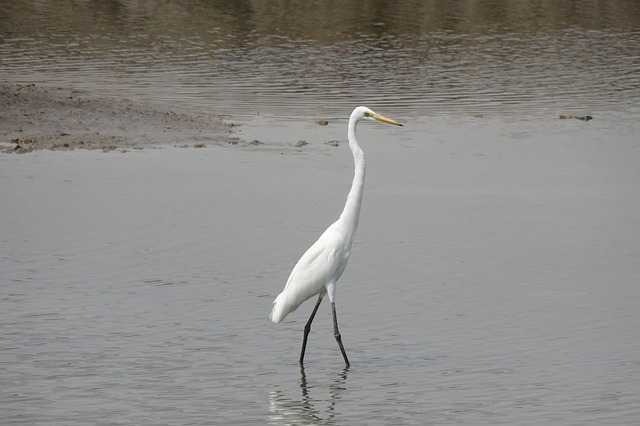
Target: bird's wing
<point>319,264</point>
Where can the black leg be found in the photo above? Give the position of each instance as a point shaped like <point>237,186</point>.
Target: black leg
<point>336,334</point>
<point>307,329</point>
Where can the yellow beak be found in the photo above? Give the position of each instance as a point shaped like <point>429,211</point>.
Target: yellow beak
<point>385,119</point>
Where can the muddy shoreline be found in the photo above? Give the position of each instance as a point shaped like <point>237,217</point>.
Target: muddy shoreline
<point>35,117</point>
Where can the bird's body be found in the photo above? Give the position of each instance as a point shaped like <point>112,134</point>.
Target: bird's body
<point>320,267</point>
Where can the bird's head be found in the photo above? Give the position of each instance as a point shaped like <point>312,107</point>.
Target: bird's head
<point>364,113</point>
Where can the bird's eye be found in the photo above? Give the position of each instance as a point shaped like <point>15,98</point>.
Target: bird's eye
<point>367,114</point>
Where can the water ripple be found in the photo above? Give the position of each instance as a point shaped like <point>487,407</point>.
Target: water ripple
<point>571,70</point>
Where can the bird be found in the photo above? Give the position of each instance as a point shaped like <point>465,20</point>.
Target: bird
<point>320,267</point>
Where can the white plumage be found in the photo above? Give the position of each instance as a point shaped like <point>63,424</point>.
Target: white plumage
<point>320,267</point>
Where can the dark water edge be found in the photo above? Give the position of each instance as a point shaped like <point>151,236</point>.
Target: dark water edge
<point>285,59</point>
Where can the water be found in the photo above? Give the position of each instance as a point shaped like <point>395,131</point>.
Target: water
<point>315,59</point>
<point>494,274</point>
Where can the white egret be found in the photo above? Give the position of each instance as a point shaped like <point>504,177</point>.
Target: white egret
<point>320,267</point>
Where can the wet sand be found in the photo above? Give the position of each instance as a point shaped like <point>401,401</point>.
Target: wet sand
<point>34,117</point>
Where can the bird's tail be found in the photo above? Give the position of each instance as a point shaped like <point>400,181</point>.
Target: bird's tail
<point>280,309</point>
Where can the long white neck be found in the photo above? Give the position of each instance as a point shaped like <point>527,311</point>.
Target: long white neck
<point>351,211</point>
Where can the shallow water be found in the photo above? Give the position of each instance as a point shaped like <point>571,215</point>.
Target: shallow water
<point>490,283</point>
<point>494,274</point>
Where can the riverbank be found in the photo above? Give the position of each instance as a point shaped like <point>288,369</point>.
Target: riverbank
<point>36,117</point>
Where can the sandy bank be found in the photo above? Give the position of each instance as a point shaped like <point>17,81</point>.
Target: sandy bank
<point>33,118</point>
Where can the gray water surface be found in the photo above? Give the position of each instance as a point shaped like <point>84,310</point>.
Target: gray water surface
<point>492,284</point>
<point>494,276</point>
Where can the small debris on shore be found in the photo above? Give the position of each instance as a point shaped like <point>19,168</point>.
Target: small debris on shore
<point>577,117</point>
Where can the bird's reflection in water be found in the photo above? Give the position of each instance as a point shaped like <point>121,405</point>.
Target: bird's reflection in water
<point>307,410</point>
